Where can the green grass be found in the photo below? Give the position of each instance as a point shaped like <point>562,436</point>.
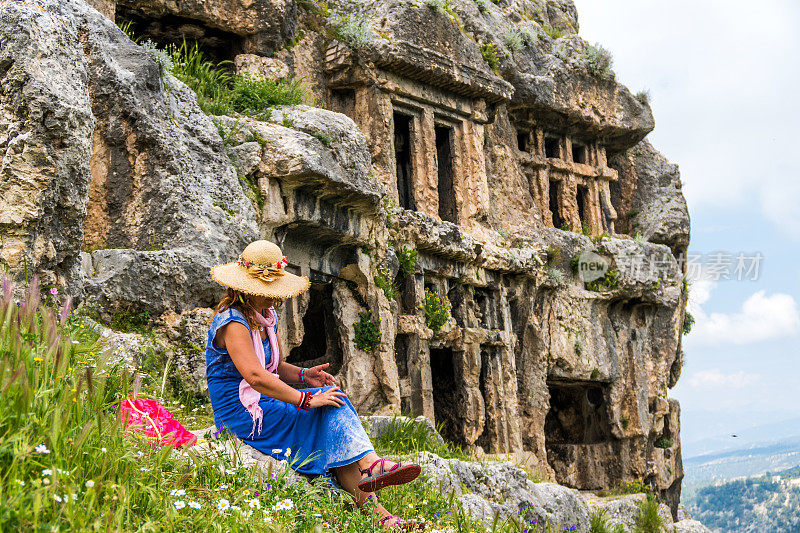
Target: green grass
<point>598,523</point>
<point>403,436</point>
<point>219,92</point>
<point>649,521</point>
<point>552,31</point>
<point>385,284</point>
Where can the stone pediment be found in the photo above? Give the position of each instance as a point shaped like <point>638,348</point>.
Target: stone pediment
<point>425,65</point>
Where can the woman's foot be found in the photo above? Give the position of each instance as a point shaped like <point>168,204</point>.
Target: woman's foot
<point>383,472</point>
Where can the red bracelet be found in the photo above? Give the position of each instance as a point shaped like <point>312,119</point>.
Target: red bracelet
<point>302,401</point>
<point>301,375</point>
<point>306,401</point>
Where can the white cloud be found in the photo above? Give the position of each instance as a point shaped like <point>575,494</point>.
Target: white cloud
<point>714,378</point>
<point>760,318</point>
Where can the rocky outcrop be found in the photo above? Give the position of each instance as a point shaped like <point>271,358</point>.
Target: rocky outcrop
<point>649,198</point>
<point>478,154</point>
<point>46,141</point>
<point>138,170</point>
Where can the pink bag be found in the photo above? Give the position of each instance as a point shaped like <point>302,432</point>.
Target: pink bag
<point>150,419</point>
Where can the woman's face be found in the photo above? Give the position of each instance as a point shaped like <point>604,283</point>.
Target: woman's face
<point>260,302</point>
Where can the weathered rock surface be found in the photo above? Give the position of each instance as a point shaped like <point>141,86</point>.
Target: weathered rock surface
<point>649,198</point>
<point>46,125</point>
<point>624,510</point>
<point>492,488</point>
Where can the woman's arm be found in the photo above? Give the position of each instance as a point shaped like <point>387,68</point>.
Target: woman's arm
<point>288,372</point>
<point>236,338</point>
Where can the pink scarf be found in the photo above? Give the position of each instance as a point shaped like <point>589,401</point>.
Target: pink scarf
<point>247,394</point>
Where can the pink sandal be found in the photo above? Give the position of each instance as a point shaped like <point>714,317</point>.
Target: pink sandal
<point>402,524</point>
<point>396,475</point>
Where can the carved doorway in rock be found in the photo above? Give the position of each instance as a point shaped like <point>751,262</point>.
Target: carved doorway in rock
<point>321,341</point>
<point>445,151</point>
<point>578,413</point>
<point>448,398</point>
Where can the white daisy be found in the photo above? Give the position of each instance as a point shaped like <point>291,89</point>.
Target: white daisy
<point>194,505</point>
<point>223,504</point>
<point>89,484</point>
<point>288,452</point>
<point>57,498</point>
<point>277,451</point>
<point>254,503</point>
<point>180,504</point>
<point>47,472</point>
<point>46,481</point>
<point>177,492</point>
<point>103,449</point>
<point>41,449</point>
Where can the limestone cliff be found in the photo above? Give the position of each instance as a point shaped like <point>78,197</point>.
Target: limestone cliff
<point>487,137</point>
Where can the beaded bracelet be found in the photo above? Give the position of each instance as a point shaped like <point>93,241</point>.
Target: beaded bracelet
<point>302,401</point>
<point>306,402</point>
<point>301,375</point>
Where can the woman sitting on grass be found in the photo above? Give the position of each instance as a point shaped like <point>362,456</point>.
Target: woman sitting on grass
<point>248,383</point>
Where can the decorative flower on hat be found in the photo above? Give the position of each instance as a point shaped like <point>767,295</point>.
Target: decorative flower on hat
<point>261,270</point>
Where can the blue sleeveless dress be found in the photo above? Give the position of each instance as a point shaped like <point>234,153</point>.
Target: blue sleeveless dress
<point>319,439</point>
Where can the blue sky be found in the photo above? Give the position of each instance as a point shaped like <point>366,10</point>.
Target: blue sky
<point>724,79</point>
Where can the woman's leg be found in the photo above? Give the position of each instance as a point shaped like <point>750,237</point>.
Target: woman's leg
<point>348,477</point>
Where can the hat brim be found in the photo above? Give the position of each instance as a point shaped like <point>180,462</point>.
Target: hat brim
<point>236,277</point>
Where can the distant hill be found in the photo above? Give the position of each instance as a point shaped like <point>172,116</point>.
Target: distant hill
<point>753,460</point>
<point>765,503</point>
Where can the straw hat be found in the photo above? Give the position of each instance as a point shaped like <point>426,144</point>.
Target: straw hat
<point>260,270</point>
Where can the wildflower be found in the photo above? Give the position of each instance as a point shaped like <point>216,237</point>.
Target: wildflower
<point>57,498</point>
<point>224,486</point>
<point>283,505</point>
<point>74,496</point>
<point>194,505</point>
<point>180,504</point>
<point>277,450</point>
<point>288,452</point>
<point>230,471</point>
<point>53,291</point>
<point>140,454</point>
<point>254,503</point>
<point>38,359</point>
<point>89,484</point>
<point>47,472</point>
<point>46,481</point>
<point>62,472</point>
<point>103,449</point>
<point>143,469</point>
<point>177,492</point>
<point>223,504</point>
<point>21,483</point>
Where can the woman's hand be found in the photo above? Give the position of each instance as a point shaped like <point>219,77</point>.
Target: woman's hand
<point>332,397</point>
<point>317,377</point>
